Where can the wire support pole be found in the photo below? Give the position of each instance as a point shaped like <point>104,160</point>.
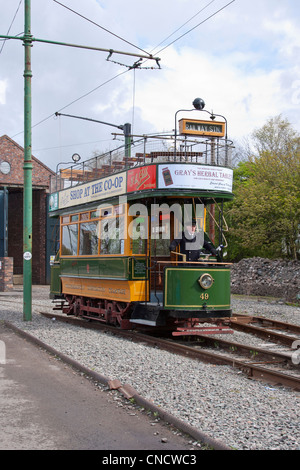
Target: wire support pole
<point>27,196</point>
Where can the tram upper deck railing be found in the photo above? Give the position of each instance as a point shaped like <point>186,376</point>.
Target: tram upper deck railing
<point>158,149</point>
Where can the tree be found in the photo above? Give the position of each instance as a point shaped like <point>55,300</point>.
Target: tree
<point>265,215</point>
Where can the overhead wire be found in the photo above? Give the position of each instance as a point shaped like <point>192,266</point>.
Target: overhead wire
<point>11,26</point>
<point>197,25</point>
<point>75,101</point>
<point>99,26</point>
<point>220,9</point>
<point>188,21</point>
<point>116,76</point>
<point>71,145</point>
<point>174,32</point>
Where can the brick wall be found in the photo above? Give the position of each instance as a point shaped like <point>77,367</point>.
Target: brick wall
<point>6,274</point>
<point>12,153</point>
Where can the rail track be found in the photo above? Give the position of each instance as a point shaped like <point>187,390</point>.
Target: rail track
<point>271,366</point>
<point>265,328</point>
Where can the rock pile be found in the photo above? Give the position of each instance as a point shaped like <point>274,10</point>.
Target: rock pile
<point>260,276</point>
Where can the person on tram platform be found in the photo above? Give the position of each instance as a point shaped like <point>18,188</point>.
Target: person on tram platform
<point>190,243</point>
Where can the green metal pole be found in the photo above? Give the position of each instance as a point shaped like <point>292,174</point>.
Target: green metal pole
<point>27,197</point>
<point>127,134</point>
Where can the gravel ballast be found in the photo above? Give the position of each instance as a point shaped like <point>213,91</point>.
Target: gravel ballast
<point>218,400</point>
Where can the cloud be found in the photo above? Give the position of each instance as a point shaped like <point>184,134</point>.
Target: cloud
<point>225,84</point>
<point>3,87</point>
<point>243,62</point>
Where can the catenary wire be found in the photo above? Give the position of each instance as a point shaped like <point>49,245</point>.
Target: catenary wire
<point>75,101</point>
<point>99,26</point>
<point>196,26</point>
<point>180,27</point>
<point>116,76</point>
<point>11,25</point>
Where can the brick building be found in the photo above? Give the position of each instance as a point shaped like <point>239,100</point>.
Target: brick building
<point>11,211</point>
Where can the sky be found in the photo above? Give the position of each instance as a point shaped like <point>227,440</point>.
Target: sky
<point>241,57</point>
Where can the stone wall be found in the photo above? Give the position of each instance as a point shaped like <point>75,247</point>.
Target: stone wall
<point>260,276</point>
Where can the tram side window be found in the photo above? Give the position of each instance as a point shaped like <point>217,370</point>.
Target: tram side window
<point>69,239</point>
<point>139,235</point>
<point>160,235</point>
<point>88,240</point>
<point>112,236</point>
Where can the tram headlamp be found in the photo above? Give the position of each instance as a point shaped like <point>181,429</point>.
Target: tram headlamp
<point>76,157</point>
<point>198,103</point>
<point>206,281</point>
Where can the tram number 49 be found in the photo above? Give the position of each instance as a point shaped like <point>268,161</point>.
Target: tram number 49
<point>204,296</point>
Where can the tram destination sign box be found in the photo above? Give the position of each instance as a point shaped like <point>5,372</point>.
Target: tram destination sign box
<point>204,128</point>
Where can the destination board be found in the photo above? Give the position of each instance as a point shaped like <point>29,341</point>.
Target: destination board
<point>204,128</point>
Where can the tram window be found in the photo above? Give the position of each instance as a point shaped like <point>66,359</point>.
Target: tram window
<point>119,209</point>
<point>160,247</point>
<point>106,212</point>
<point>69,240</point>
<point>139,236</point>
<point>84,216</point>
<point>160,235</point>
<point>112,236</point>
<point>139,246</point>
<point>88,240</point>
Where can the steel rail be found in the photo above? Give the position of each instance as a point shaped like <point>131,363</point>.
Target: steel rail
<point>268,322</point>
<point>253,371</point>
<point>251,352</point>
<point>263,332</point>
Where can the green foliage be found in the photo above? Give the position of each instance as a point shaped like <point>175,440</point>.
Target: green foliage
<point>264,217</point>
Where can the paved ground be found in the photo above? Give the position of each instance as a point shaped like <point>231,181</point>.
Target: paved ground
<point>46,405</point>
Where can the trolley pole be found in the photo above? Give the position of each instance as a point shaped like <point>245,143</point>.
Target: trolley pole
<point>27,196</point>
<point>127,134</point>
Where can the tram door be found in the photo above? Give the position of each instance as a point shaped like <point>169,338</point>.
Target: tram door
<point>161,234</point>
<point>139,235</point>
<point>167,224</point>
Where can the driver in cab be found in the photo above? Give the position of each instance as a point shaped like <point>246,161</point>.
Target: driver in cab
<point>191,243</point>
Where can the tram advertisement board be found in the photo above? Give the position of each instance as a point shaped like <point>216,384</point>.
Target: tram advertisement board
<point>185,176</point>
<point>141,178</point>
<point>114,185</point>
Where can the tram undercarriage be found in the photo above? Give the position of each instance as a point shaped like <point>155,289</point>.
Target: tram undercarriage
<point>136,315</point>
<point>107,311</point>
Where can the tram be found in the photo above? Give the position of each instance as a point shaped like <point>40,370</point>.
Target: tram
<point>119,214</point>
